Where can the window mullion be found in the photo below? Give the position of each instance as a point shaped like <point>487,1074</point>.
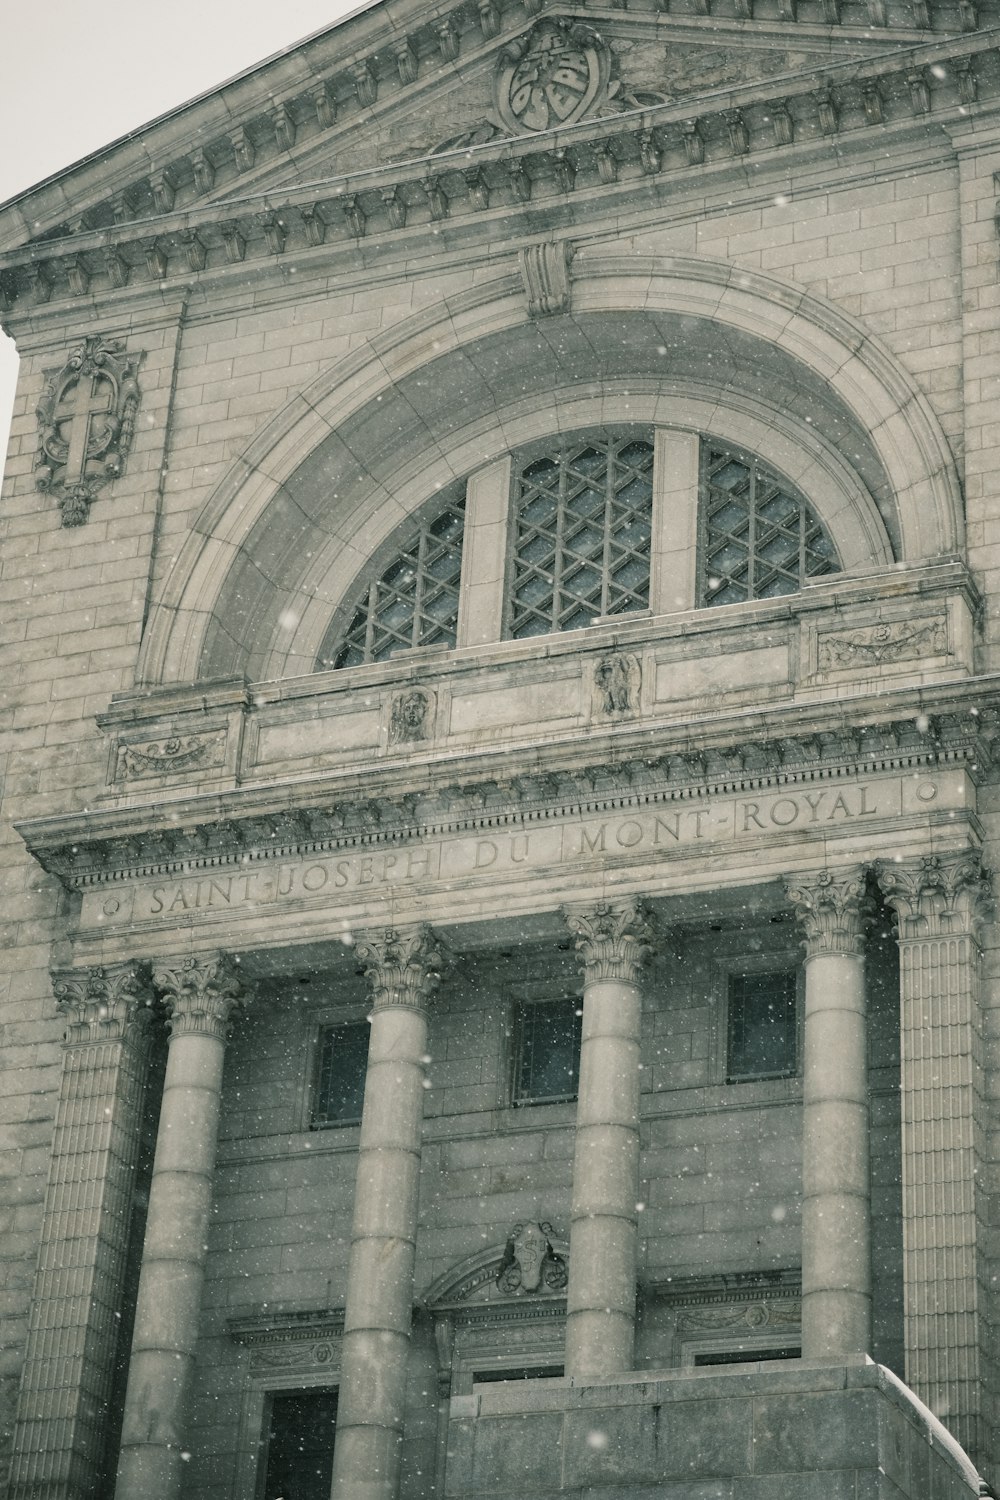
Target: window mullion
<point>610,455</point>
<point>418,588</point>
<point>557,565</point>
<point>752,536</point>
<point>370,622</point>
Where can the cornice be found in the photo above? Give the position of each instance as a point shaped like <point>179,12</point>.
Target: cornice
<point>292,1327</point>
<point>726,1287</point>
<point>664,764</point>
<point>934,83</point>
<point>287,105</point>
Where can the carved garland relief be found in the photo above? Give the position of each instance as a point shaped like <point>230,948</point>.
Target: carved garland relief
<point>164,756</point>
<point>874,645</point>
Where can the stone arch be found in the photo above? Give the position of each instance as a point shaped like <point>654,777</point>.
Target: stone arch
<point>245,593</point>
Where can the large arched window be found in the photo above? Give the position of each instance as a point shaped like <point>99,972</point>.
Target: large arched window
<point>579,529</point>
<point>583,517</point>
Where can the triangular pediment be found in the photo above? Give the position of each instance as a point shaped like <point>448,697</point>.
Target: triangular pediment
<point>383,89</point>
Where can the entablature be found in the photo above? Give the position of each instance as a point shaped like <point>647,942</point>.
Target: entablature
<point>506,775</point>
<point>939,81</point>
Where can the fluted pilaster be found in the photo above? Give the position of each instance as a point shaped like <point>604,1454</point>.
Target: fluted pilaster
<point>66,1386</point>
<point>939,901</point>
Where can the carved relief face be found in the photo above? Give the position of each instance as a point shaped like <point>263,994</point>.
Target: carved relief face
<point>412,710</point>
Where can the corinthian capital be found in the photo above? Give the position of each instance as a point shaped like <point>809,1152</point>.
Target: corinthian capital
<point>936,894</point>
<point>200,993</point>
<point>105,1004</point>
<point>402,965</point>
<point>833,909</point>
<point>613,938</point>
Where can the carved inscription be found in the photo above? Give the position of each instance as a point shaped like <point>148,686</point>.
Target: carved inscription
<point>654,831</point>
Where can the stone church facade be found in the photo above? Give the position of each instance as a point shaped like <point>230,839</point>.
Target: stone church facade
<point>501,684</point>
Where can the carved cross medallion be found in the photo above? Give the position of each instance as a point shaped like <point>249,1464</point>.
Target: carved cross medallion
<point>86,419</point>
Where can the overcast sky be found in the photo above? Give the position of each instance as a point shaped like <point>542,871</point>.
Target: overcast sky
<point>76,76</point>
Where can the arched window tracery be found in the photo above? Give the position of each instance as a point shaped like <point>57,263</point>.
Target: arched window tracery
<point>582,523</point>
<point>759,539</point>
<point>412,602</point>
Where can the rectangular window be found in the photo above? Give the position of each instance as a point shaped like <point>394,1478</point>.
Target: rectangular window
<point>519,1372</point>
<point>547,1051</point>
<point>340,1080</point>
<point>746,1355</point>
<point>300,1431</point>
<point>762,1026</point>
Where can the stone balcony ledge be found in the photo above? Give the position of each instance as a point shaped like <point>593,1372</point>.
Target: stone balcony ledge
<point>812,1430</point>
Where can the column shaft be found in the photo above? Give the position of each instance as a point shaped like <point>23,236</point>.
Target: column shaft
<point>377,1319</point>
<point>600,1297</point>
<point>63,1409</point>
<point>836,1183</point>
<point>938,901</point>
<point>169,1301</point>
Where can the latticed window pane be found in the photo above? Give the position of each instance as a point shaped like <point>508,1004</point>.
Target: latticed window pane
<point>759,539</point>
<point>581,535</point>
<point>412,602</point>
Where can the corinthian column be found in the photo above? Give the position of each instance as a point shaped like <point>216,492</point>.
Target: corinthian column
<point>938,902</point>
<point>613,941</point>
<point>62,1414</point>
<point>836,1187</point>
<point>200,994</point>
<point>403,969</point>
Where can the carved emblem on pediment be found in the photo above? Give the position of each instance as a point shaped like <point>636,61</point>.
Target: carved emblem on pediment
<point>530,1264</point>
<point>558,73</point>
<point>872,645</point>
<point>86,423</point>
<point>410,717</point>
<point>617,684</point>
<point>164,756</point>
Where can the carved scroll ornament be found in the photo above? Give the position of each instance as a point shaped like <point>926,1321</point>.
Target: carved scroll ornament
<point>402,965</point>
<point>105,1003</point>
<point>833,909</point>
<point>200,994</point>
<point>614,939</point>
